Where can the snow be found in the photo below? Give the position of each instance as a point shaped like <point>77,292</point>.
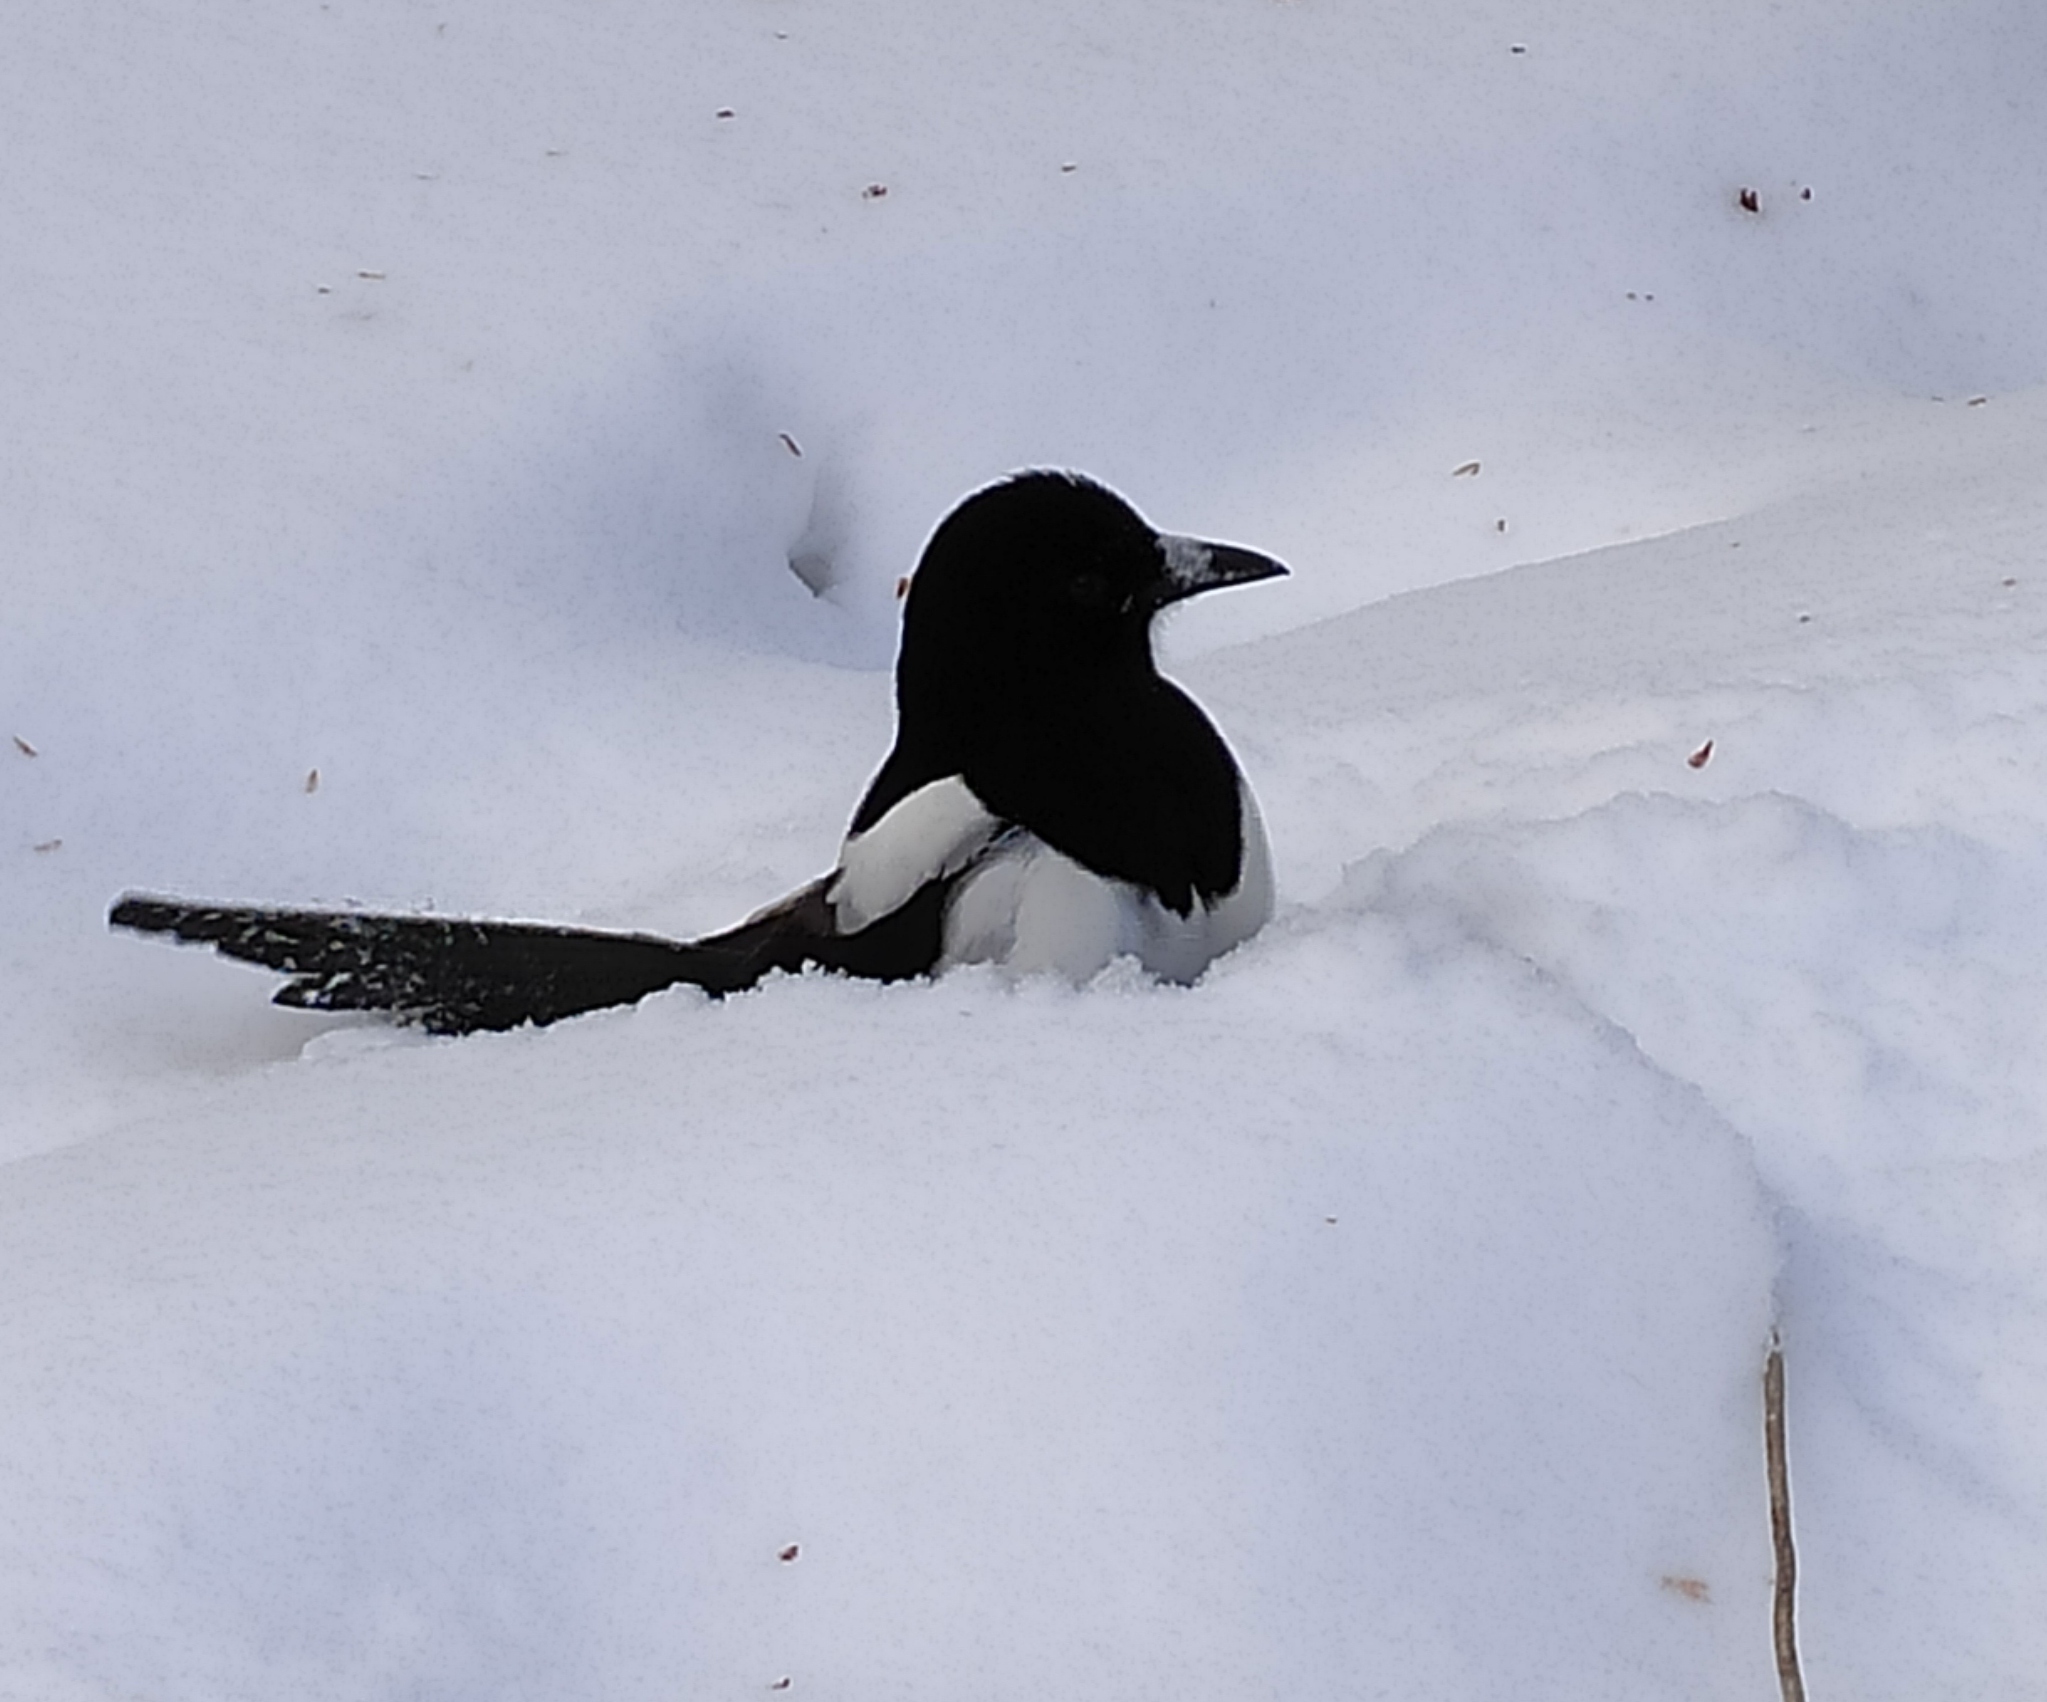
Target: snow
<point>451,464</point>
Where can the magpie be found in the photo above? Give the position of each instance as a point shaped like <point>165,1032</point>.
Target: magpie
<point>1051,803</point>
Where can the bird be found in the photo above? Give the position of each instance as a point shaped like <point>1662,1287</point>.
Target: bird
<point>1051,803</point>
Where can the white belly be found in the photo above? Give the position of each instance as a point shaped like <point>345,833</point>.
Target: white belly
<point>1033,910</point>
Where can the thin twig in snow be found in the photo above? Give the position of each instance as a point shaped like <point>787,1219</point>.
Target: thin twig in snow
<point>1783,1625</point>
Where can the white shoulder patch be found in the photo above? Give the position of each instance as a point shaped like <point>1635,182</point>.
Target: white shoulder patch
<point>936,831</point>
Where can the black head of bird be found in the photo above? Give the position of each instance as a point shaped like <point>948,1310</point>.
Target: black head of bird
<point>1044,584</point>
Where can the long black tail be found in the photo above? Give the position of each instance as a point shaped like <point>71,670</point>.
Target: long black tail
<point>454,976</point>
<point>448,974</point>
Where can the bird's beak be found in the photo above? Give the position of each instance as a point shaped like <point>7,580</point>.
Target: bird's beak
<point>1192,565</point>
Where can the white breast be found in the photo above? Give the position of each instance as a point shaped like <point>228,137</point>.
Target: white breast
<point>1032,910</point>
<point>1029,908</point>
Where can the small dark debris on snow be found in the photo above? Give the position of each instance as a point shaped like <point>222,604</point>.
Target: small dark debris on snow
<point>48,845</point>
<point>2008,584</point>
<point>789,443</point>
<point>1700,757</point>
<point>1803,619</point>
<point>1068,165</point>
<point>1805,194</point>
<point>372,277</point>
<point>1500,525</point>
<point>724,112</point>
<point>786,1555</point>
<point>1519,47</point>
<point>25,747</point>
<point>1749,201</point>
<point>1692,1589</point>
<point>1978,401</point>
<point>312,780</point>
<point>1329,1220</point>
<point>902,587</point>
<point>1466,471</point>
<point>874,192</point>
<point>779,1684</point>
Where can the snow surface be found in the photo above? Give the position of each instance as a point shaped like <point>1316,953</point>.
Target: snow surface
<point>450,463</point>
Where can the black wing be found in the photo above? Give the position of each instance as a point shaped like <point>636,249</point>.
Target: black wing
<point>454,976</point>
